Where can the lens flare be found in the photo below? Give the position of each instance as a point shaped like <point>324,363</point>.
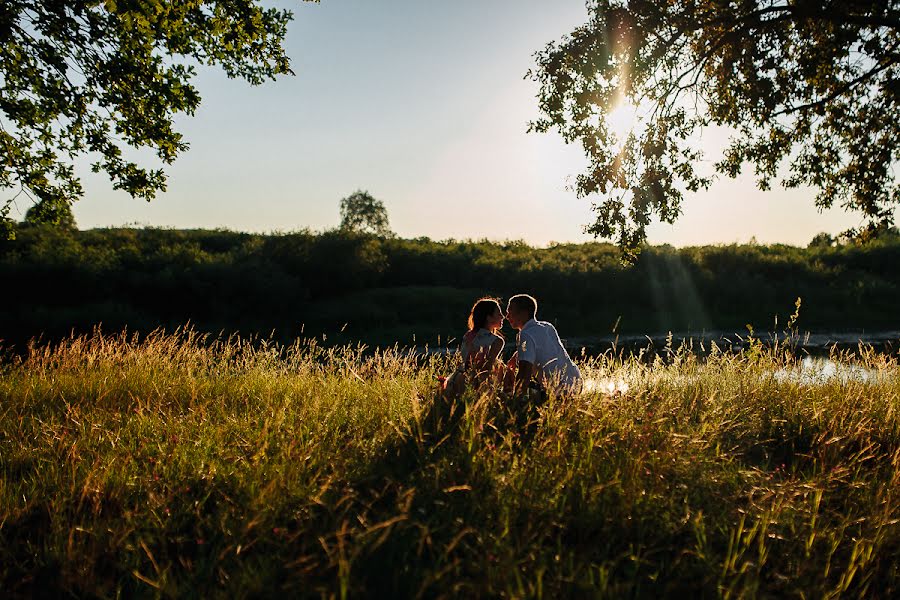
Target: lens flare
<point>622,120</point>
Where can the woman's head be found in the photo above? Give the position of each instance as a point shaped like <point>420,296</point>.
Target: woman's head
<point>486,314</point>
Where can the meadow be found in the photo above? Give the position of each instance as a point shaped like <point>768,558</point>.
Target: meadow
<point>176,465</point>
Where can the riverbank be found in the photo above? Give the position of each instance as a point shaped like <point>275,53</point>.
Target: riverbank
<point>704,342</point>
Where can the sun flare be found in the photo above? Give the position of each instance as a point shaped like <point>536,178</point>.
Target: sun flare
<point>622,120</point>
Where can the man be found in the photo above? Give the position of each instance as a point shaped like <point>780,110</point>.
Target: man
<point>539,352</point>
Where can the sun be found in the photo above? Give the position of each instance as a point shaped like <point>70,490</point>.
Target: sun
<point>622,120</point>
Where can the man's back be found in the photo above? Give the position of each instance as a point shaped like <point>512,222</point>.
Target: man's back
<point>539,344</point>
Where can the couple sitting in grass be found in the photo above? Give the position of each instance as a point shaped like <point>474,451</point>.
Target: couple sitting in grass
<point>539,364</point>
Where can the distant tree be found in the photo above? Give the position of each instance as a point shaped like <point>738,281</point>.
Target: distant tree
<point>94,78</point>
<point>810,84</point>
<point>361,212</point>
<point>57,213</point>
<point>822,240</point>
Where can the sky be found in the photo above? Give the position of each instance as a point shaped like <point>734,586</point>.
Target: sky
<point>423,104</point>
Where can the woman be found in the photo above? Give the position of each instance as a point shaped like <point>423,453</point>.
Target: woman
<point>482,343</point>
<point>481,346</point>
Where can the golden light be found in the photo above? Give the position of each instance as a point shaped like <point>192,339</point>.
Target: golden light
<point>622,120</point>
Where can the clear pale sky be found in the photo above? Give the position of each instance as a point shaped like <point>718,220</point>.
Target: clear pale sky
<point>423,104</point>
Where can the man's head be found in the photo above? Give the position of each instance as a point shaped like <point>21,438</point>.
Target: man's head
<point>520,309</point>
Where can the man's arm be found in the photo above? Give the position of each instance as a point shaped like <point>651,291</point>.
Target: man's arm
<point>527,358</point>
<point>523,376</point>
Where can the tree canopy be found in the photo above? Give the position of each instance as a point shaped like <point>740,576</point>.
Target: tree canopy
<point>83,77</point>
<point>58,214</point>
<point>810,90</point>
<point>361,212</point>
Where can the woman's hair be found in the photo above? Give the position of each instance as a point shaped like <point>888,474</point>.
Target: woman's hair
<point>481,310</point>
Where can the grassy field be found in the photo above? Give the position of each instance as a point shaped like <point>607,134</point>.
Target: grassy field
<point>178,466</point>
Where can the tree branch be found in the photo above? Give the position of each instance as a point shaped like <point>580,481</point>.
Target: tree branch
<point>840,91</point>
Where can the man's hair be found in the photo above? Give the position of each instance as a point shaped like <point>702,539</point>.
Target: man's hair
<point>524,303</point>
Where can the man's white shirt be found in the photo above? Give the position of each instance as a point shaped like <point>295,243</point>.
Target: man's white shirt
<point>539,343</point>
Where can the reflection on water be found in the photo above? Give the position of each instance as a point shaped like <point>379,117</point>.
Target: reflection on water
<point>813,370</point>
<point>605,386</point>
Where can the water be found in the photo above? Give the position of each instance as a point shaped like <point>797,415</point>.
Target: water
<point>608,386</point>
<point>811,370</point>
<point>817,370</point>
<point>820,343</point>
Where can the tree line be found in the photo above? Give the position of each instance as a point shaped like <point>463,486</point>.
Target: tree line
<point>345,285</point>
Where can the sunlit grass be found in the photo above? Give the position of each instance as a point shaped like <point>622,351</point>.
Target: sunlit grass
<point>182,467</point>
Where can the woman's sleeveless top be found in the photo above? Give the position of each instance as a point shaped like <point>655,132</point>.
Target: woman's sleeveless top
<point>475,342</point>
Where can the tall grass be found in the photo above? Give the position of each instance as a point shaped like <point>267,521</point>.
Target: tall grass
<point>174,465</point>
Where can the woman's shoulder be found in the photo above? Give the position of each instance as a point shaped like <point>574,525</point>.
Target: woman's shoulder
<point>491,339</point>
<point>483,337</point>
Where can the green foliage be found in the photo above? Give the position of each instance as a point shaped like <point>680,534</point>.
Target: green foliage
<point>182,466</point>
<point>362,213</point>
<point>354,286</point>
<point>46,212</point>
<point>810,84</point>
<point>822,240</point>
<point>95,78</point>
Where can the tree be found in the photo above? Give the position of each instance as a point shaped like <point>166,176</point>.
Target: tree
<point>822,240</point>
<point>58,214</point>
<point>82,77</point>
<point>360,212</point>
<point>808,84</point>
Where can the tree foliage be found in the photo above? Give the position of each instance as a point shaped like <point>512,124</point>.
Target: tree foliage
<point>389,289</point>
<point>57,214</point>
<point>362,213</point>
<point>809,85</point>
<point>82,77</point>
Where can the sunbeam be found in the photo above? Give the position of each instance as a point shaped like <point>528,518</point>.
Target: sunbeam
<point>622,120</point>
